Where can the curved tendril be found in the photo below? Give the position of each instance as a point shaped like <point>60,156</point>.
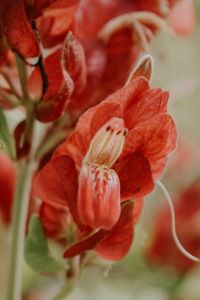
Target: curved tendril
<point>173,225</point>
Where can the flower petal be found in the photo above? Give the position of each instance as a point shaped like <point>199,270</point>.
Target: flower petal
<point>54,220</point>
<point>121,56</point>
<point>74,62</point>
<point>116,245</point>
<point>7,186</point>
<point>154,138</point>
<point>58,91</point>
<point>18,31</point>
<point>92,15</point>
<point>145,106</point>
<point>52,109</point>
<point>85,245</point>
<point>41,5</point>
<point>96,62</point>
<point>89,123</point>
<point>57,183</point>
<point>125,223</point>
<point>183,17</point>
<point>98,196</point>
<point>135,177</point>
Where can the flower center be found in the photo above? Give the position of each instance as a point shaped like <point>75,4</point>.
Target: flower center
<point>107,144</point>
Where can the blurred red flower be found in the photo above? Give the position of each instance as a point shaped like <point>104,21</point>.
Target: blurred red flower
<point>7,186</point>
<point>163,250</point>
<point>116,151</point>
<point>106,59</point>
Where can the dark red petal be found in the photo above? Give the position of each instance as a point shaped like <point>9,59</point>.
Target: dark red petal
<point>7,186</point>
<point>124,225</point>
<point>54,220</point>
<point>135,177</point>
<point>117,244</point>
<point>74,62</point>
<point>18,31</point>
<point>85,245</point>
<point>52,109</point>
<point>96,62</point>
<point>92,15</point>
<point>58,91</point>
<point>57,182</point>
<point>52,65</point>
<point>121,56</point>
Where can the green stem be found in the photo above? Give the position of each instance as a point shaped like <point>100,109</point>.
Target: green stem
<point>66,291</point>
<point>20,210</point>
<point>22,76</point>
<point>72,276</point>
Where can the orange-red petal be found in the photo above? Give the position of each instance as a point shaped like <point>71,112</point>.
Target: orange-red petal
<point>154,138</point>
<point>57,182</point>
<point>98,196</point>
<point>117,243</point>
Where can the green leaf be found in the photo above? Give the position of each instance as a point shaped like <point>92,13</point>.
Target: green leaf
<point>6,139</point>
<point>37,253</point>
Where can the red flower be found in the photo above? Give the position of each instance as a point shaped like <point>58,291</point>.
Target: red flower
<point>7,185</point>
<point>182,17</point>
<point>120,44</point>
<point>113,155</point>
<point>17,29</point>
<point>66,74</point>
<point>163,250</point>
<point>16,18</point>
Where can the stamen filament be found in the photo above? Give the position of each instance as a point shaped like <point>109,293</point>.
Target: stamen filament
<point>173,224</point>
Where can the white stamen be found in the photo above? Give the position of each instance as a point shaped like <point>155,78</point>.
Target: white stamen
<point>173,225</point>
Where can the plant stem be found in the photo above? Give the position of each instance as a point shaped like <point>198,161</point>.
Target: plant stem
<point>20,210</point>
<point>22,76</point>
<point>66,291</point>
<point>72,276</point>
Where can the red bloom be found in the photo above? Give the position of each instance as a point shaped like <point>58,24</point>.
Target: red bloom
<point>114,154</point>
<point>182,17</point>
<point>66,73</point>
<point>7,185</point>
<point>17,29</point>
<point>163,250</point>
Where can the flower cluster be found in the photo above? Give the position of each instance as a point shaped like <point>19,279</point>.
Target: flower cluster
<point>72,64</point>
<point>115,153</point>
